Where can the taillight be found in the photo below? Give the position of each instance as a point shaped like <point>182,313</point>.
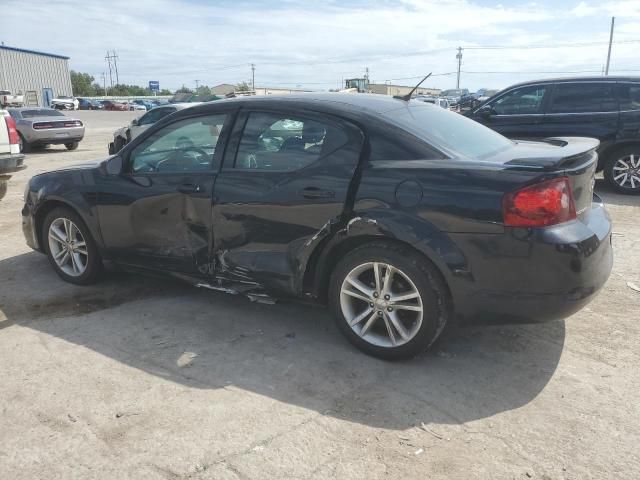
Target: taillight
<point>14,138</point>
<point>42,126</point>
<point>540,205</point>
<point>75,123</point>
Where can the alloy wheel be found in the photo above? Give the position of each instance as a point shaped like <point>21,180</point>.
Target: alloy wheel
<point>68,247</point>
<point>626,171</point>
<point>381,304</point>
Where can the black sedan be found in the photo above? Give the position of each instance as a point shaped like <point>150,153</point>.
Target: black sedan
<point>402,216</point>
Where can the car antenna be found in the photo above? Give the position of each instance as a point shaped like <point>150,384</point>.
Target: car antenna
<point>407,97</point>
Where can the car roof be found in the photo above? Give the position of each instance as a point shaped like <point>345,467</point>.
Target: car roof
<point>600,78</point>
<point>371,102</point>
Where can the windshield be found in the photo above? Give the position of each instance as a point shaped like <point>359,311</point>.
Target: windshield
<point>41,112</point>
<point>451,93</point>
<point>442,128</point>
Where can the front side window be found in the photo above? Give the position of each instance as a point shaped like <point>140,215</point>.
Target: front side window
<point>183,146</point>
<point>281,142</point>
<point>521,101</point>
<point>584,98</point>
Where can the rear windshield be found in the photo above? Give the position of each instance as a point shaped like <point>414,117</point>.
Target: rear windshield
<point>41,112</point>
<point>443,128</point>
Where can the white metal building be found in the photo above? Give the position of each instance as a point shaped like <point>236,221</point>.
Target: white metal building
<point>38,76</point>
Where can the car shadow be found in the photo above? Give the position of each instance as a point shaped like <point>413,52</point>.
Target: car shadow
<point>611,197</point>
<point>289,352</point>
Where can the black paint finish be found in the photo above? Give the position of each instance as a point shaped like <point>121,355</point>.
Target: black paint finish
<point>281,232</point>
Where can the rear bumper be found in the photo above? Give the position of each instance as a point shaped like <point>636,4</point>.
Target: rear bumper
<point>10,163</point>
<point>55,136</point>
<point>534,275</point>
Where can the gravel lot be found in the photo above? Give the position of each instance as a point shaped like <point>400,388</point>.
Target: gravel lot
<point>93,381</point>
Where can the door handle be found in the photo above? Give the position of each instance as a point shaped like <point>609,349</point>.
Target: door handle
<point>189,188</point>
<point>315,193</point>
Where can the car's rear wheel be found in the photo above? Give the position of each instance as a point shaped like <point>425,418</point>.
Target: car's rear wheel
<point>70,247</point>
<point>72,145</point>
<point>24,145</point>
<point>622,170</point>
<point>388,301</point>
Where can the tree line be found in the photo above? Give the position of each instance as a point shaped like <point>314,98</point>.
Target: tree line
<point>85,85</point>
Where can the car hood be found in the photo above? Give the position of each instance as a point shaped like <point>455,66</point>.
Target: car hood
<point>77,166</point>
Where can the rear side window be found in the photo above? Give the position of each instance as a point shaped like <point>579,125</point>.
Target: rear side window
<point>584,98</point>
<point>399,145</point>
<point>629,95</point>
<point>282,142</point>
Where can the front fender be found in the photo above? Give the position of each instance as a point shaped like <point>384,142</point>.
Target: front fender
<point>72,189</point>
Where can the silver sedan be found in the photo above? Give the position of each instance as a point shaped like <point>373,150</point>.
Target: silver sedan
<point>39,127</point>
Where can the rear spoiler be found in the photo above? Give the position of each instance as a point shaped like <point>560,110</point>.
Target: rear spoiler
<point>572,149</point>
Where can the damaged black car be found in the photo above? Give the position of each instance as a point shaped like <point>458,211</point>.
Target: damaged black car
<point>400,215</point>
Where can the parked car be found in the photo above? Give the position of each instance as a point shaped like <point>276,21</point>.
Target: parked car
<point>441,102</point>
<point>402,216</point>
<point>484,94</point>
<point>124,135</point>
<point>606,108</point>
<point>11,160</point>
<point>147,105</point>
<point>64,102</point>
<point>86,104</point>
<point>454,95</point>
<point>111,105</point>
<point>40,127</point>
<point>8,99</point>
<point>136,106</point>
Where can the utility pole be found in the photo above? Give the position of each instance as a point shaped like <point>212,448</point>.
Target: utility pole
<point>197,82</point>
<point>606,70</point>
<point>108,59</point>
<point>459,57</point>
<point>253,77</point>
<point>115,63</point>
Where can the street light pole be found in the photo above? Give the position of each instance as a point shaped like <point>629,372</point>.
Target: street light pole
<point>606,70</point>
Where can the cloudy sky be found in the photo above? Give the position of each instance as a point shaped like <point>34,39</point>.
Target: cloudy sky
<point>315,44</point>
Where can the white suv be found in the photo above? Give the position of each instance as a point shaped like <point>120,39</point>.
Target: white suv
<point>11,160</point>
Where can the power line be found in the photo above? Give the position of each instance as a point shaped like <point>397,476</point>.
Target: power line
<point>556,45</point>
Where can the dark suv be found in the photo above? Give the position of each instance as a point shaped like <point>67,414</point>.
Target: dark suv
<point>606,108</point>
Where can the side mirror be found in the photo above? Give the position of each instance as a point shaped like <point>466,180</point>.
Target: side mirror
<point>114,165</point>
<point>485,111</point>
<point>134,122</point>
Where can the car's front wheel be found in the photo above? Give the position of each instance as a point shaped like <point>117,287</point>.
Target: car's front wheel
<point>388,300</point>
<point>70,247</point>
<point>72,145</point>
<point>622,170</point>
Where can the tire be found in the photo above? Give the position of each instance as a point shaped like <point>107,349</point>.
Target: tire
<point>24,145</point>
<point>72,146</point>
<point>90,261</point>
<point>3,187</point>
<point>614,167</point>
<point>413,274</point>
